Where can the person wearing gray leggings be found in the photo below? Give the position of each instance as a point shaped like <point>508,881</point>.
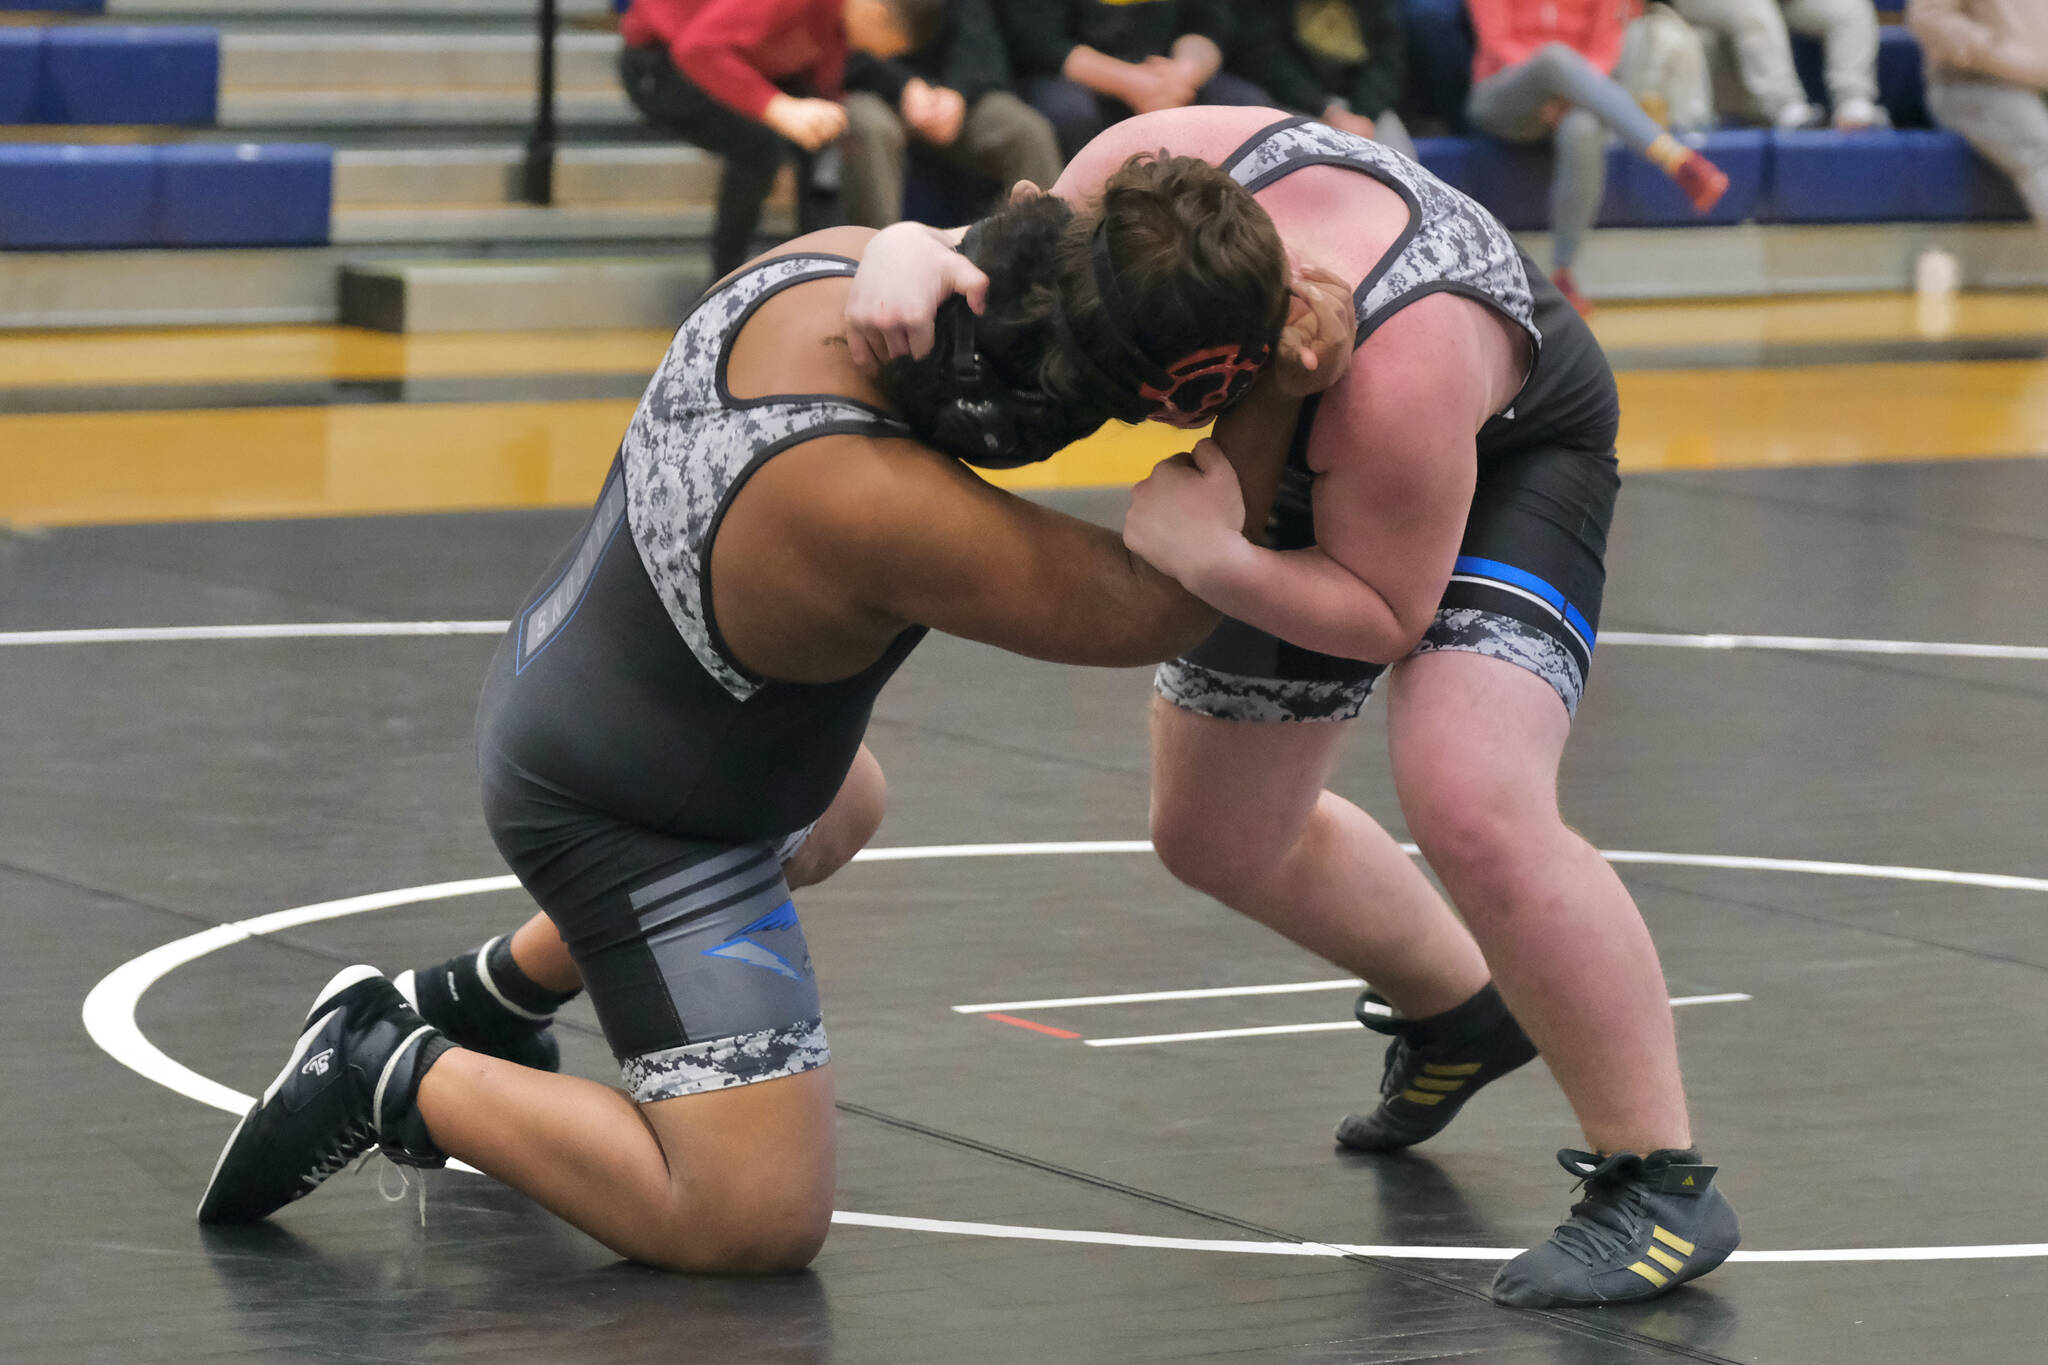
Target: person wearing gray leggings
<point>1542,72</point>
<point>1987,78</point>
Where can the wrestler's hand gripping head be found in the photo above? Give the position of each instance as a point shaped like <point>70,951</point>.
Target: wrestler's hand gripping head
<point>1179,261</point>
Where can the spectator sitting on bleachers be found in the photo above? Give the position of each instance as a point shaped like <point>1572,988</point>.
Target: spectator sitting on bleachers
<point>1762,49</point>
<point>952,97</point>
<point>1664,65</point>
<point>1086,64</point>
<point>1987,78</point>
<point>1342,61</point>
<point>1439,62</point>
<point>1543,72</point>
<point>758,82</point>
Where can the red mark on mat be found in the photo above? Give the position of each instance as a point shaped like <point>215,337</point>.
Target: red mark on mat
<point>1033,1026</point>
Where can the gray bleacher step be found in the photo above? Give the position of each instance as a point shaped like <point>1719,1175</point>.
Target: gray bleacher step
<point>208,288</point>
<point>525,223</point>
<point>301,110</point>
<point>166,288</point>
<point>417,62</point>
<point>486,296</point>
<point>1760,259</point>
<point>433,176</point>
<point>228,10</point>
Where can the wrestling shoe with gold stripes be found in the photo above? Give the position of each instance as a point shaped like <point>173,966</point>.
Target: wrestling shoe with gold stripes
<point>1647,1225</point>
<point>349,1087</point>
<point>1433,1066</point>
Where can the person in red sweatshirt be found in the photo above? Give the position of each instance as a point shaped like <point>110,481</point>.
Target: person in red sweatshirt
<point>759,82</point>
<point>1543,70</point>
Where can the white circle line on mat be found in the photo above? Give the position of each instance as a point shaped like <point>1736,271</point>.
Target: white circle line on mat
<point>318,630</point>
<point>109,1017</point>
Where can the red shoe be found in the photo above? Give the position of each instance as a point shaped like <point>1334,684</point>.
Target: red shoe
<point>1568,287</point>
<point>1703,182</point>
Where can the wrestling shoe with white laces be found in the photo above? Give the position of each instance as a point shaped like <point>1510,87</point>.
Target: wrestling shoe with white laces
<point>1433,1066</point>
<point>1647,1225</point>
<point>349,1087</point>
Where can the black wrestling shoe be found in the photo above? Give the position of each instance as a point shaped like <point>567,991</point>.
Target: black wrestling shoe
<point>462,998</point>
<point>348,1087</point>
<point>1433,1066</point>
<point>1647,1225</point>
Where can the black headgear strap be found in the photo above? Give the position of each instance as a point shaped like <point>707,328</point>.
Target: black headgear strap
<point>1116,314</point>
<point>1126,406</point>
<point>1194,389</point>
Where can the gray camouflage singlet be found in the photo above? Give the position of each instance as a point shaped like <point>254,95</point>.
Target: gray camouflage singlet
<point>1451,243</point>
<point>692,444</point>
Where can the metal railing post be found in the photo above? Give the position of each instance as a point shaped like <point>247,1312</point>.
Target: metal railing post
<point>538,181</point>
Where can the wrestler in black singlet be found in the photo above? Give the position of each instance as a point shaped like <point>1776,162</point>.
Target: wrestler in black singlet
<point>1527,583</point>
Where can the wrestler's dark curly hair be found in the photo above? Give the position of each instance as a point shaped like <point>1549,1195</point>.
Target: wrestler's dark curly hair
<point>1198,264</point>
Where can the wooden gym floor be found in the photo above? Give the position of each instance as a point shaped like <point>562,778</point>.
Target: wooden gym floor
<point>1814,744</point>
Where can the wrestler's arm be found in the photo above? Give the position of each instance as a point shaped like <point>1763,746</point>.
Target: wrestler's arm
<point>1394,447</point>
<point>909,269</point>
<point>910,537</point>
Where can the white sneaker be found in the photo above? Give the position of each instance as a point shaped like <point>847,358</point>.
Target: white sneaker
<point>1800,115</point>
<point>1854,116</point>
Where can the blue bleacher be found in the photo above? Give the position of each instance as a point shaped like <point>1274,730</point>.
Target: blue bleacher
<point>21,71</point>
<point>1640,195</point>
<point>63,197</point>
<point>216,195</point>
<point>53,6</point>
<point>129,75</point>
<point>1919,174</point>
<point>221,194</point>
<point>1514,180</point>
<point>109,75</point>
<point>1911,174</point>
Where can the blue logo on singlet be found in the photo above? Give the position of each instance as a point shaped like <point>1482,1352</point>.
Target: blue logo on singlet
<point>742,947</point>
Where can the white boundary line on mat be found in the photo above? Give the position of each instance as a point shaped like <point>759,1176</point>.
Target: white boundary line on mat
<point>316,630</point>
<point>109,1016</point>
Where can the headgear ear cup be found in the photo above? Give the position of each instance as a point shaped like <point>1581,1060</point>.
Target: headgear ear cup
<point>984,421</point>
<point>965,425</point>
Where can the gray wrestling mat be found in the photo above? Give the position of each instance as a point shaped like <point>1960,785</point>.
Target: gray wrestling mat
<point>1839,847</point>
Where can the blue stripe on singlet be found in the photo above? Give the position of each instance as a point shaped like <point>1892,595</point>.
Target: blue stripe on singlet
<point>1477,567</point>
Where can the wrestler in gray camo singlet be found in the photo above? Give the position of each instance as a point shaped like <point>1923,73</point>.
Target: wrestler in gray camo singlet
<point>617,690</point>
<point>692,443</point>
<point>1451,242</point>
<point>647,788</point>
<point>1545,492</point>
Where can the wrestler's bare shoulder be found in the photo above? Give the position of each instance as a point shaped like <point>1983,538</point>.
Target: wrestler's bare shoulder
<point>1443,360</point>
<point>1209,131</point>
<point>1341,220</point>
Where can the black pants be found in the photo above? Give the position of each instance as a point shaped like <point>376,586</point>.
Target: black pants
<point>753,152</point>
<point>1077,113</point>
